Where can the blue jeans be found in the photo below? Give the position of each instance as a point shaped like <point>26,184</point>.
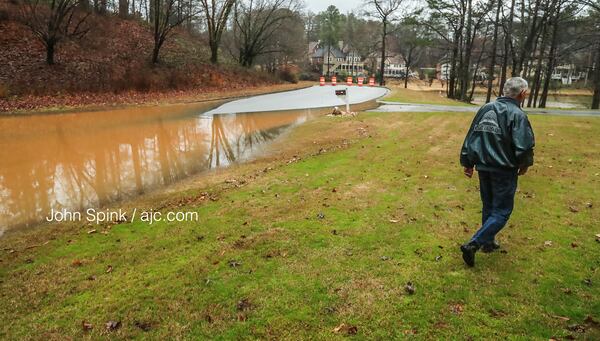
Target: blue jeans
<point>497,191</point>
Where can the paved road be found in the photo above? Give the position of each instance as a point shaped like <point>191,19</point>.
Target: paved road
<point>308,98</point>
<point>411,107</point>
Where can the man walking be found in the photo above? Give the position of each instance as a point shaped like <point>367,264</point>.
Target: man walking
<point>499,145</point>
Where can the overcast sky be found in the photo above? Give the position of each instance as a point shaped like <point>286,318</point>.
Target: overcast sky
<point>344,6</point>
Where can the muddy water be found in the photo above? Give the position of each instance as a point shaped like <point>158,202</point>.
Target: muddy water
<point>79,160</point>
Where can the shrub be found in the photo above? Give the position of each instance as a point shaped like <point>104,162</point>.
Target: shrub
<point>287,74</point>
<point>309,76</point>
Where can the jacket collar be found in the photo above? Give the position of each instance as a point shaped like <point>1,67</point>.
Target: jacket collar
<point>509,99</point>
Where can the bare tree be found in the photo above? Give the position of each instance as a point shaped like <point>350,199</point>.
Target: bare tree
<point>216,14</point>
<point>384,10</point>
<point>412,39</point>
<point>53,21</point>
<point>256,22</point>
<point>165,20</point>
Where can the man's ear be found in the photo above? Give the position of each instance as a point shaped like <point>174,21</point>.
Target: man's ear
<point>523,94</point>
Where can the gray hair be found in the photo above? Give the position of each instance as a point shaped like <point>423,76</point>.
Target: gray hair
<point>514,86</point>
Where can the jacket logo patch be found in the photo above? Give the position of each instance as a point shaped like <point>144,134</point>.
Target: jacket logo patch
<point>489,123</point>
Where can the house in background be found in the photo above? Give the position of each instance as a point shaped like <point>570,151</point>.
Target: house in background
<point>335,60</point>
<point>567,74</point>
<point>394,66</point>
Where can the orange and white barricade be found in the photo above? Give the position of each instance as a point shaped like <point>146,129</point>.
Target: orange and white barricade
<point>360,81</point>
<point>334,80</point>
<point>372,81</point>
<point>321,81</point>
<point>349,81</point>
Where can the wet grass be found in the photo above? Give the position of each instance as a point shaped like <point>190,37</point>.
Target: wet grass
<point>301,247</point>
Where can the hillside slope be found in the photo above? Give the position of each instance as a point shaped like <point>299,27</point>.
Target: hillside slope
<point>110,64</point>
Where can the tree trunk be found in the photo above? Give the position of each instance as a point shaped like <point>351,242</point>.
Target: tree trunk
<point>465,73</point>
<point>328,57</point>
<point>382,65</point>
<point>533,97</point>
<point>551,59</point>
<point>214,52</point>
<point>452,75</point>
<point>470,99</point>
<point>123,9</point>
<point>507,46</point>
<point>596,97</point>
<point>155,53</point>
<point>406,75</point>
<point>493,59</point>
<point>50,52</point>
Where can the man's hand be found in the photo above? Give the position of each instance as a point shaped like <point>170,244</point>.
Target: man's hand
<point>523,170</point>
<point>468,172</point>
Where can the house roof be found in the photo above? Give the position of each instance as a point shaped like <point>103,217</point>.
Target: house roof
<point>322,51</point>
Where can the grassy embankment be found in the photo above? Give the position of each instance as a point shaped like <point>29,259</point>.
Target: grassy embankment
<point>400,94</point>
<point>309,247</point>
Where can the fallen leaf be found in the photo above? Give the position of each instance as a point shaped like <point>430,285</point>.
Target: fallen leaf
<point>320,215</point>
<point>456,308</point>
<point>113,325</point>
<point>345,329</point>
<point>410,288</point>
<point>394,221</point>
<point>86,326</point>
<point>234,263</point>
<point>573,209</point>
<point>91,231</point>
<point>576,328</point>
<point>77,263</point>
<point>548,243</point>
<point>574,245</point>
<point>109,269</point>
<point>244,304</point>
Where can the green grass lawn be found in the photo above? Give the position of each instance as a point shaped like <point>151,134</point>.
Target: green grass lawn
<point>322,248</point>
<point>400,94</point>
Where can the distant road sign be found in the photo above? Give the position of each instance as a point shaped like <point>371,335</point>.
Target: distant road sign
<point>340,92</point>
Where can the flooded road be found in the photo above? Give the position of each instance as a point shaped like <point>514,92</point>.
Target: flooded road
<point>78,160</point>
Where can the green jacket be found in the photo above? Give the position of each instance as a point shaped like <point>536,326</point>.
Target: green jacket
<point>500,138</point>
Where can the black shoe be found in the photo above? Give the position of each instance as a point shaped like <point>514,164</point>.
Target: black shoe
<point>491,247</point>
<point>468,253</point>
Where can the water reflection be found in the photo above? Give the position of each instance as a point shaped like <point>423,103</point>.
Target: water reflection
<point>75,161</point>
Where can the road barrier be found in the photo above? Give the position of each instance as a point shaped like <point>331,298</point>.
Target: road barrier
<point>349,81</point>
<point>372,81</point>
<point>322,81</point>
<point>360,81</point>
<point>334,80</point>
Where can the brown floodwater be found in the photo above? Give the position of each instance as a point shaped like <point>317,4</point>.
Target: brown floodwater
<point>74,161</point>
